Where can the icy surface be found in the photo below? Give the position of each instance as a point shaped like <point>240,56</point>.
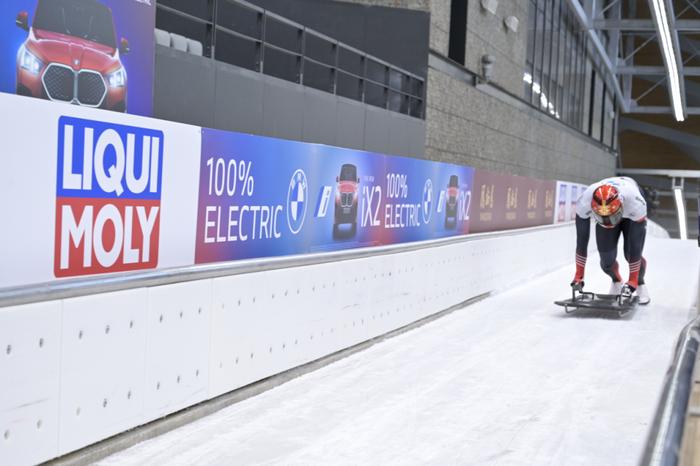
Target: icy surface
<point>511,380</point>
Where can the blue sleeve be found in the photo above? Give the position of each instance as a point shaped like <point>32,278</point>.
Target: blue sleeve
<point>583,233</point>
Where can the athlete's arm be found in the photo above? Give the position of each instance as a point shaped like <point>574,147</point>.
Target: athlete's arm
<point>583,233</point>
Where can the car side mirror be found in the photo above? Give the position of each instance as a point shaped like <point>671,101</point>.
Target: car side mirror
<point>22,20</point>
<point>358,180</point>
<point>337,179</point>
<point>124,46</point>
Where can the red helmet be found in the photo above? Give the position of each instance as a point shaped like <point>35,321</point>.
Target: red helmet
<point>606,206</point>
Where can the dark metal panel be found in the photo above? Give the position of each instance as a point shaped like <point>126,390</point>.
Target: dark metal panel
<point>282,108</point>
<point>350,123</point>
<point>319,118</point>
<point>406,136</point>
<point>239,100</point>
<point>377,130</point>
<point>200,91</point>
<point>184,89</point>
<point>415,130</point>
<point>396,35</point>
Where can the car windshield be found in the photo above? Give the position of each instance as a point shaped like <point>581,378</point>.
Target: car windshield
<point>453,181</point>
<point>348,173</point>
<point>86,19</point>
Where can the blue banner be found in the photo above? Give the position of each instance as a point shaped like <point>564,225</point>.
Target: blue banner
<point>262,197</point>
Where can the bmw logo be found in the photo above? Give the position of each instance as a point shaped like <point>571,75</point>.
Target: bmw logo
<point>427,200</point>
<point>76,62</point>
<point>297,196</point>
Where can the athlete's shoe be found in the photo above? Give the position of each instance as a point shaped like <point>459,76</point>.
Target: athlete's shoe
<point>615,288</point>
<point>643,294</point>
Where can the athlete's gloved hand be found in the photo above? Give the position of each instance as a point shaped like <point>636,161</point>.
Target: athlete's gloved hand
<point>577,284</point>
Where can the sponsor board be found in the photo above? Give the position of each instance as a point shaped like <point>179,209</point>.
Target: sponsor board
<point>93,53</point>
<point>567,194</point>
<point>103,192</point>
<point>262,197</point>
<point>108,197</point>
<point>505,201</point>
<point>92,192</point>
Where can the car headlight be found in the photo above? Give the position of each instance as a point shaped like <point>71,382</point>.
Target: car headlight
<point>118,78</point>
<point>28,61</point>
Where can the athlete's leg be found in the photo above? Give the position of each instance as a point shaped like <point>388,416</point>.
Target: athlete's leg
<point>607,239</point>
<point>634,234</point>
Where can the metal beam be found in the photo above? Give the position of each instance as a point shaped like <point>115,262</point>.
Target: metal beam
<point>655,70</point>
<point>584,21</point>
<point>673,25</point>
<point>628,51</point>
<point>672,135</point>
<point>643,25</point>
<point>659,172</point>
<point>654,109</point>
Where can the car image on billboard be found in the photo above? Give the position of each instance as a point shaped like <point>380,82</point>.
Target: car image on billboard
<point>451,202</point>
<point>71,54</point>
<point>346,201</point>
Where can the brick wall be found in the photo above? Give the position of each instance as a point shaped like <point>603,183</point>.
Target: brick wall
<point>468,126</point>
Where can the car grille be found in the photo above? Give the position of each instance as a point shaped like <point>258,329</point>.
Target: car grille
<point>84,87</point>
<point>91,88</point>
<point>346,199</point>
<point>59,82</point>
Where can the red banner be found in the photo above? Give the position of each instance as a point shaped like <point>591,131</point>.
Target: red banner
<point>503,202</point>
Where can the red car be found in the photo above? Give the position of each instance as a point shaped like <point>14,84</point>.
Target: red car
<point>71,55</point>
<point>346,199</point>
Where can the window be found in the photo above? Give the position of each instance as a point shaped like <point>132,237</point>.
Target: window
<point>559,77</point>
<point>458,30</point>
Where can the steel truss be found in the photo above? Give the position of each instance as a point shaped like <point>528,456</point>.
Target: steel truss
<point>618,40</point>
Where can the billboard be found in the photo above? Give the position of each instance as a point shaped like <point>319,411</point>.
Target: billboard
<point>97,192</point>
<point>104,192</point>
<point>108,197</point>
<point>261,197</point>
<point>92,53</point>
<point>567,194</point>
<point>506,201</point>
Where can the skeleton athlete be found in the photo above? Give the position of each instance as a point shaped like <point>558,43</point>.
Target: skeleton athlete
<point>618,207</point>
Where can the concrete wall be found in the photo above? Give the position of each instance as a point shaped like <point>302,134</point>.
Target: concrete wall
<point>90,367</point>
<point>487,34</point>
<point>203,92</point>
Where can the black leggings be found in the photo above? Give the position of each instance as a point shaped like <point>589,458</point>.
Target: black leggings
<point>634,234</point>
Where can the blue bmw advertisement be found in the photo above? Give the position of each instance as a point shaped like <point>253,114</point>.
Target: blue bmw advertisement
<point>261,197</point>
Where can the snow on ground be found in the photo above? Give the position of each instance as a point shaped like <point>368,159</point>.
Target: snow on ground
<point>510,380</point>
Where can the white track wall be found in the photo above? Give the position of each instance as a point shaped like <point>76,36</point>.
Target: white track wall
<point>79,370</point>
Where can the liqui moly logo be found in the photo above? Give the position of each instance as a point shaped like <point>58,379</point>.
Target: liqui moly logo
<point>107,197</point>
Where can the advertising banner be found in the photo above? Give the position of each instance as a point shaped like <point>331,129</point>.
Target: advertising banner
<point>261,197</point>
<point>88,192</point>
<point>562,203</point>
<point>505,201</point>
<point>93,53</point>
<point>103,192</point>
<point>567,196</point>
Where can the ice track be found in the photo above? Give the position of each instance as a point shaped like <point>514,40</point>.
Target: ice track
<point>510,380</point>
